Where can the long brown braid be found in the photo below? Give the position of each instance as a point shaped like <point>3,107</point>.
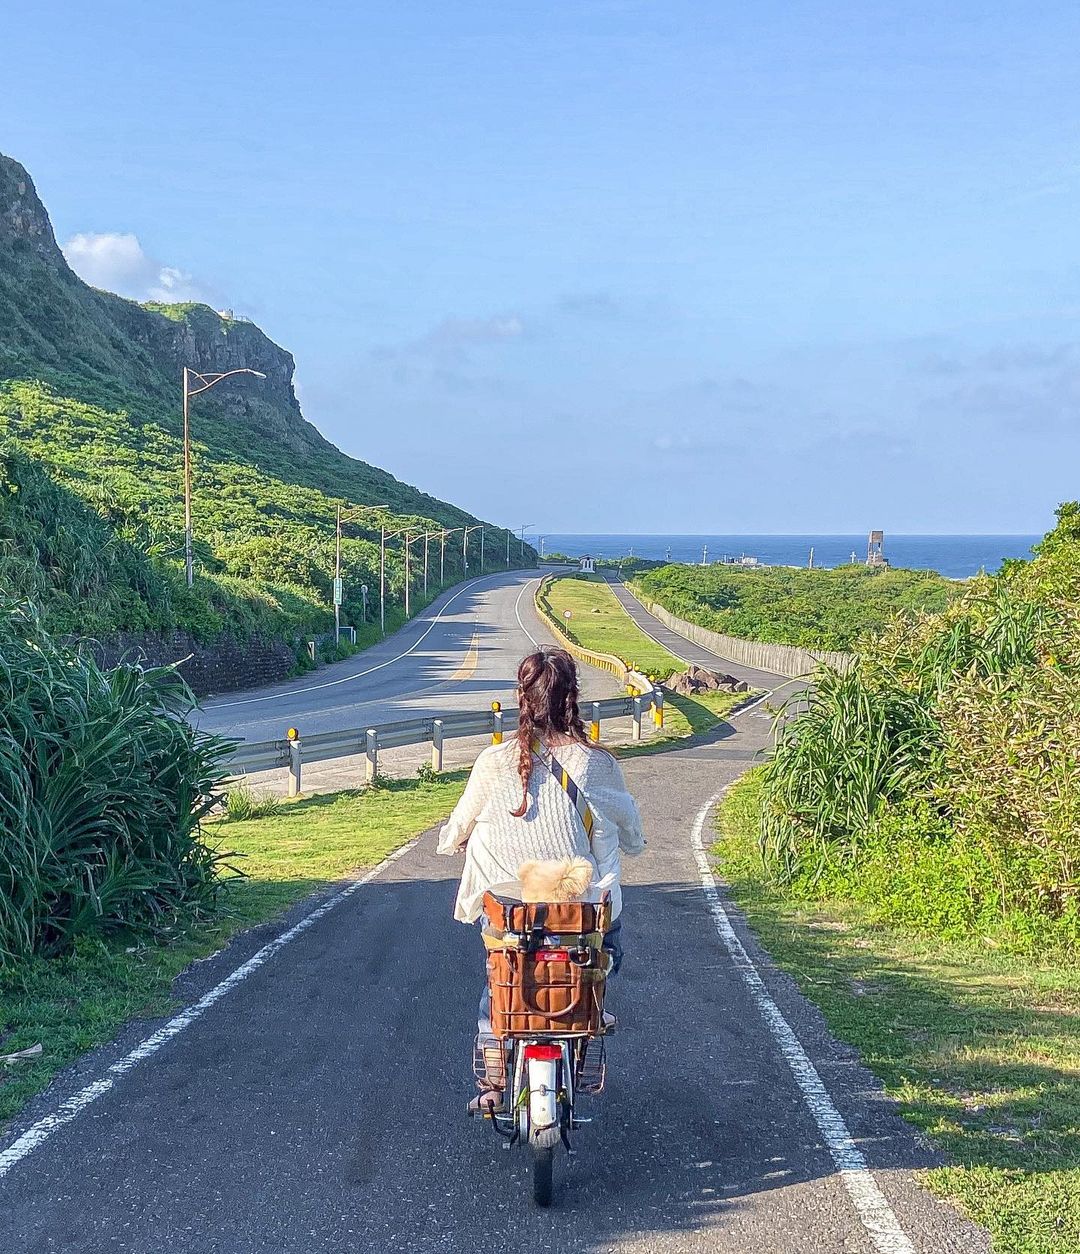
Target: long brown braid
<point>547,705</point>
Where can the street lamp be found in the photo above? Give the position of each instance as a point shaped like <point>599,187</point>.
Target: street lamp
<point>524,528</point>
<point>428,535</point>
<point>452,531</point>
<point>343,513</point>
<point>202,383</point>
<point>465,548</point>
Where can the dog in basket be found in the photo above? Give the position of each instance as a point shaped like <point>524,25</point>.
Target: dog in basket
<point>567,880</point>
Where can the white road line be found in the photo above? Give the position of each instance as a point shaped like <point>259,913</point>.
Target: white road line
<point>345,679</point>
<point>882,1226</point>
<point>517,612</point>
<point>761,700</point>
<point>38,1133</point>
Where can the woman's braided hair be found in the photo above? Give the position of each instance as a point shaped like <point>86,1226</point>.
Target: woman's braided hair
<point>547,704</point>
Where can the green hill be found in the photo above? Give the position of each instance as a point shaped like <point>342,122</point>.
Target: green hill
<point>91,507</point>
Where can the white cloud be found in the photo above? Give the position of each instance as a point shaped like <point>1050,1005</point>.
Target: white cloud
<point>453,335</point>
<point>116,262</point>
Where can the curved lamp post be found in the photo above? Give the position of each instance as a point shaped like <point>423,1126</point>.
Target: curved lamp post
<point>343,515</point>
<point>194,383</point>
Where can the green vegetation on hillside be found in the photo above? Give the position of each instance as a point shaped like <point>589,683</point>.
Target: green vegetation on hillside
<point>980,1049</point>
<point>816,609</point>
<point>77,1000</point>
<point>90,392</point>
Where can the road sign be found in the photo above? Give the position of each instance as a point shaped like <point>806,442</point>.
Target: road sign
<point>338,598</point>
<point>567,614</point>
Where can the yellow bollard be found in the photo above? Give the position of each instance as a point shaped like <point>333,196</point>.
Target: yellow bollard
<point>497,723</point>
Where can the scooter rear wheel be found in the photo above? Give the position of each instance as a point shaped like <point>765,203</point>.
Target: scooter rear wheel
<point>543,1164</point>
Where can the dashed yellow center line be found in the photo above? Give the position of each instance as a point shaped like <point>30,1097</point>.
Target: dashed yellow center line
<point>467,669</point>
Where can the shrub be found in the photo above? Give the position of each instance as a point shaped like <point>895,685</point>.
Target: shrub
<point>102,788</point>
<point>939,778</point>
<point>242,802</point>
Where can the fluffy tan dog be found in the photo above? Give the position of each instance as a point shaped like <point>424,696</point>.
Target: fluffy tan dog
<point>568,880</point>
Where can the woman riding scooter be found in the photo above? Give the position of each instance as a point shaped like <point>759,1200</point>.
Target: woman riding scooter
<point>514,808</point>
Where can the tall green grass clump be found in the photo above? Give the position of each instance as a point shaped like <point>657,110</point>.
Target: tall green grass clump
<point>102,788</point>
<point>938,780</point>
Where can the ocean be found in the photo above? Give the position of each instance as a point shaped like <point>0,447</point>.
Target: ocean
<point>958,557</point>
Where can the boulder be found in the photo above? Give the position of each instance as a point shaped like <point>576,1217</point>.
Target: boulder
<point>698,679</point>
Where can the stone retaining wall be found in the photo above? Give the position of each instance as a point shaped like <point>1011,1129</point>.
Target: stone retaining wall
<point>223,666</point>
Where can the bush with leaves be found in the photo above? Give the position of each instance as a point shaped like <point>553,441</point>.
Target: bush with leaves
<point>102,787</point>
<point>969,720</point>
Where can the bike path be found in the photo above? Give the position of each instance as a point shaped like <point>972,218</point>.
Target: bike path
<point>318,1105</point>
<point>691,652</point>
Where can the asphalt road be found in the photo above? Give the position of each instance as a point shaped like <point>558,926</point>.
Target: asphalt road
<point>461,653</point>
<point>315,1101</point>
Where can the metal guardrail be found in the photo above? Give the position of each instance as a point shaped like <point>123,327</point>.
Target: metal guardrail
<point>294,750</point>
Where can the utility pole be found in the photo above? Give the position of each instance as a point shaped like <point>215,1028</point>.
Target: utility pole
<point>442,559</point>
<point>203,383</point>
<point>508,548</point>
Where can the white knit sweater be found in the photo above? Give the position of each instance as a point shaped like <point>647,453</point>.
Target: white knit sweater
<point>498,843</point>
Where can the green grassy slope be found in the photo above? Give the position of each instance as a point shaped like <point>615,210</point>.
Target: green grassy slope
<point>90,392</point>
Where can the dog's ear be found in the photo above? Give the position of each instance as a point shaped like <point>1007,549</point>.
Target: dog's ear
<point>576,878</point>
<point>527,868</point>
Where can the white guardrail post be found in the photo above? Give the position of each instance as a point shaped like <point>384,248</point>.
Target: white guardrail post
<point>496,723</point>
<point>658,707</point>
<point>594,722</point>
<point>371,769</point>
<point>436,745</point>
<point>295,761</point>
<point>638,706</point>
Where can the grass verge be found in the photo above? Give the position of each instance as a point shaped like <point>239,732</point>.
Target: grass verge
<point>980,1050</point>
<point>598,622</point>
<point>73,1003</point>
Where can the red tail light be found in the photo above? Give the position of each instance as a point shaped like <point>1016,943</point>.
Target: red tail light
<point>543,1053</point>
<point>553,955</point>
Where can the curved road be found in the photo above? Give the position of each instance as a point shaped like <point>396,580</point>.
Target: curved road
<point>310,1098</point>
<point>461,653</point>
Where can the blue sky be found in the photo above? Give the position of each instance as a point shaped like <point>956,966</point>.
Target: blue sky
<point>608,265</point>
